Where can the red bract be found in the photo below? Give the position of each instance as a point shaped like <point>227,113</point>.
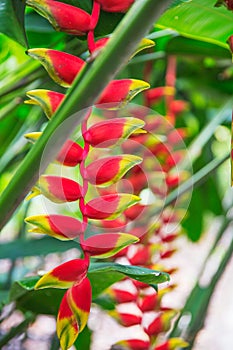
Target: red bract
<point>57,189</point>
<point>62,67</point>
<point>107,244</point>
<point>119,92</point>
<point>110,206</point>
<point>48,100</point>
<point>73,313</point>
<point>135,344</point>
<point>64,275</point>
<point>111,132</point>
<point>115,5</point>
<point>172,344</point>
<point>106,171</point>
<point>71,154</point>
<point>59,226</point>
<point>63,17</point>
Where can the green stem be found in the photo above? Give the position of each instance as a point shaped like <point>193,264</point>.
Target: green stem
<point>83,93</point>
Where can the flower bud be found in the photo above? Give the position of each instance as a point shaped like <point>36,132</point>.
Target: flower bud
<point>63,17</point>
<point>62,67</point>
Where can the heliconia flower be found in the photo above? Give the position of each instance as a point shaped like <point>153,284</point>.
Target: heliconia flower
<point>73,313</point>
<point>110,206</point>
<point>58,226</point>
<point>161,323</point>
<point>167,253</point>
<point>108,170</point>
<point>176,136</point>
<point>115,5</point>
<point>67,326</point>
<point>172,344</point>
<point>63,17</point>
<point>148,299</point>
<point>123,291</point>
<point>230,42</point>
<point>62,67</point>
<point>135,211</point>
<point>119,92</point>
<point>144,44</point>
<point>169,238</point>
<point>107,244</point>
<point>154,95</point>
<point>178,106</point>
<point>48,100</point>
<point>128,314</point>
<point>57,189</point>
<point>134,344</point>
<point>141,254</point>
<point>33,136</point>
<point>111,132</point>
<point>113,225</point>
<point>64,275</point>
<point>71,154</point>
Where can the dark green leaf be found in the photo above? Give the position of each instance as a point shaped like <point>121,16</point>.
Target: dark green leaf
<point>32,247</point>
<point>12,20</point>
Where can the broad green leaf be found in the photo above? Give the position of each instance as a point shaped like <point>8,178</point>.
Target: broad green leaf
<point>199,19</point>
<point>101,275</point>
<point>12,20</point>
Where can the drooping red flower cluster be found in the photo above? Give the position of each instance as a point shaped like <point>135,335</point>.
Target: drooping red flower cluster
<point>63,68</point>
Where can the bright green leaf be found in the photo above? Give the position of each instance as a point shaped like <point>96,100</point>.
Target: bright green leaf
<point>199,19</point>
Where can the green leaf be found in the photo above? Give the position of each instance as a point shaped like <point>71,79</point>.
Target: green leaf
<point>23,248</point>
<point>101,275</point>
<point>185,46</point>
<point>199,19</point>
<point>12,20</point>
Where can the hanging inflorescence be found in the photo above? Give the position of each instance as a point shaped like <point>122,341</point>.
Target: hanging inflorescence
<point>63,69</point>
<point>121,216</point>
